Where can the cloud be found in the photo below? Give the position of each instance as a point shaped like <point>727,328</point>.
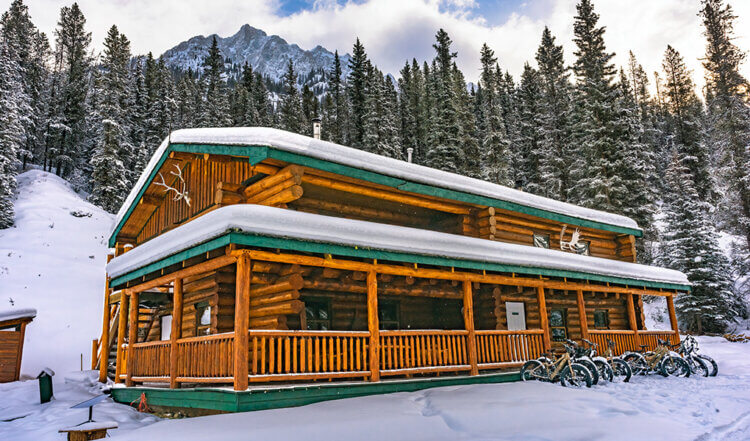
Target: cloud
<point>394,31</point>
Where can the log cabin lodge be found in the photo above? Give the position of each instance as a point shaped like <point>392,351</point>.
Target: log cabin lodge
<point>253,259</point>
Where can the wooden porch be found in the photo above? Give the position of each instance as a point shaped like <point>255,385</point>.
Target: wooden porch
<point>252,356</point>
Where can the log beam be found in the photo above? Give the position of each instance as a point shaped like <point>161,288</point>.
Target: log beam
<point>543,318</point>
<point>122,324</point>
<point>633,323</point>
<point>673,315</point>
<point>373,325</point>
<point>132,338</point>
<point>582,315</point>
<point>175,332</point>
<point>471,342</point>
<point>241,322</point>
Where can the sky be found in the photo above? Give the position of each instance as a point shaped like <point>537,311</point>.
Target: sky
<point>394,31</point>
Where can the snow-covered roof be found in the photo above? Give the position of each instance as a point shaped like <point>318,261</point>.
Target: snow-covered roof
<point>16,313</point>
<point>283,223</point>
<point>328,151</point>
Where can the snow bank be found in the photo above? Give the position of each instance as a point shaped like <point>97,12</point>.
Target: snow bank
<point>278,222</point>
<point>647,408</point>
<point>53,261</point>
<point>328,151</point>
<point>17,313</point>
<point>22,418</point>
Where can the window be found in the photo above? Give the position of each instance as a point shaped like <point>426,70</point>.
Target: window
<point>203,319</point>
<point>318,314</point>
<point>388,315</point>
<point>583,248</point>
<point>541,240</point>
<point>557,322</point>
<point>166,327</point>
<point>601,319</point>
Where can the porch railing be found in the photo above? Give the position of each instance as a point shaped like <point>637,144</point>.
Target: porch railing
<point>206,358</point>
<point>506,348</point>
<point>625,340</point>
<point>650,338</point>
<point>408,351</point>
<point>298,355</point>
<point>150,360</point>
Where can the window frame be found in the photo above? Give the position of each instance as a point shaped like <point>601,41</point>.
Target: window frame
<point>545,236</point>
<point>388,325</point>
<point>316,320</point>
<point>606,318</point>
<point>200,309</point>
<point>563,327</point>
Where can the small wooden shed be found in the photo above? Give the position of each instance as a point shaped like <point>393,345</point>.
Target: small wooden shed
<point>12,328</point>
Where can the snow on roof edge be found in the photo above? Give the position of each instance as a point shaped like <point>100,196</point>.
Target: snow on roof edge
<point>282,223</point>
<point>328,151</point>
<point>13,314</point>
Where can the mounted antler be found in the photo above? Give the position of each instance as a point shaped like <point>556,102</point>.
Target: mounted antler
<point>573,244</point>
<point>179,194</point>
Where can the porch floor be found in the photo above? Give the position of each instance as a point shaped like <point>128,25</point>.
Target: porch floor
<point>274,396</point>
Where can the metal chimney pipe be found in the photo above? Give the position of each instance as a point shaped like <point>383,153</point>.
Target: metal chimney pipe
<point>409,152</point>
<point>316,127</point>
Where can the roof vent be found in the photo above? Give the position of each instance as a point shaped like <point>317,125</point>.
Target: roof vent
<point>316,127</point>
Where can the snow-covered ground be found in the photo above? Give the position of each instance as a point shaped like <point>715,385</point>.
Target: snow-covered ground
<point>53,260</point>
<point>647,408</point>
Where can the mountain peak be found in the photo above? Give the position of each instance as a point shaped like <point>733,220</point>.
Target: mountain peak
<point>267,54</point>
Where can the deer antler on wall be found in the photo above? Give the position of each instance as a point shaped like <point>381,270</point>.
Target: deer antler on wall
<point>573,244</point>
<point>179,194</point>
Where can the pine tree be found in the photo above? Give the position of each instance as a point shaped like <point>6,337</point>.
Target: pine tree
<point>690,244</point>
<point>531,140</point>
<point>380,131</point>
<point>508,98</point>
<point>412,109</point>
<point>215,111</point>
<point>601,132</point>
<point>67,143</point>
<point>310,109</point>
<point>684,113</point>
<point>556,110</point>
<point>110,179</point>
<point>161,103</point>
<point>492,133</point>
<point>188,100</point>
<point>29,49</point>
<point>11,131</point>
<point>291,115</point>
<point>728,112</point>
<point>356,91</point>
<point>444,150</point>
<point>334,128</point>
<point>262,103</point>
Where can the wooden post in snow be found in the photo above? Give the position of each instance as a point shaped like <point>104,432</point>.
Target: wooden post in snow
<point>373,325</point>
<point>241,322</point>
<point>471,341</point>
<point>121,329</point>
<point>132,338</point>
<point>175,332</point>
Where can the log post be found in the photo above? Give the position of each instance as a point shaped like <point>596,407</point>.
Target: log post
<point>673,318</point>
<point>132,338</point>
<point>175,332</point>
<point>543,319</point>
<point>104,341</point>
<point>582,315</point>
<point>633,323</point>
<point>373,325</point>
<point>241,322</point>
<point>471,338</point>
<point>121,329</point>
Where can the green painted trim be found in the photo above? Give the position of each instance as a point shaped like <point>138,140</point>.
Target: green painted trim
<point>196,250</point>
<point>256,154</point>
<point>253,240</point>
<point>292,396</point>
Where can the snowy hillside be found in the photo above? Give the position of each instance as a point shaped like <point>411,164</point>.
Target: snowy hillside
<point>53,260</point>
<point>267,54</point>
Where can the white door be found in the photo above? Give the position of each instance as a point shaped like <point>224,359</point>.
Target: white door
<point>166,327</point>
<point>516,316</point>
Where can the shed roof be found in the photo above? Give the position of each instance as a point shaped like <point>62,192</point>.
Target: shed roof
<point>7,315</point>
<point>281,223</point>
<point>359,159</point>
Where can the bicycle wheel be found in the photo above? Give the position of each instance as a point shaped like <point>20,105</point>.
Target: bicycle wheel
<point>579,376</point>
<point>637,363</point>
<point>711,363</point>
<point>621,370</point>
<point>698,366</point>
<point>534,370</point>
<point>674,366</point>
<point>604,370</point>
<point>591,367</point>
